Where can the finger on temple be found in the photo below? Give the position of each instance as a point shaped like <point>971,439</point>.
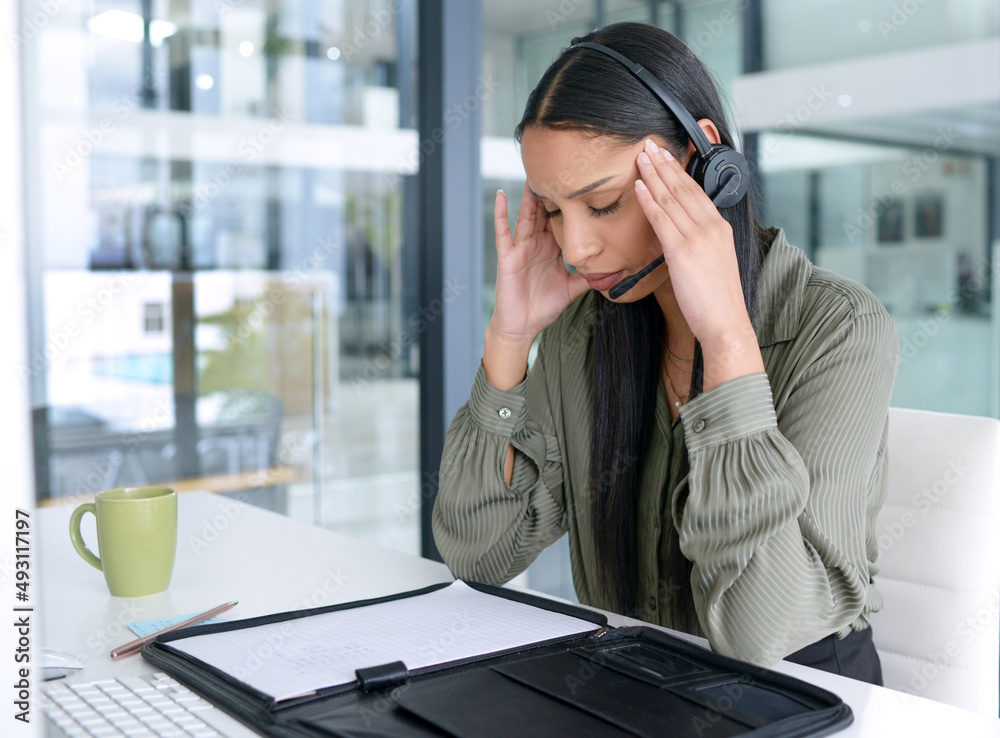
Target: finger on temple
<point>527,216</point>
<point>661,188</point>
<point>500,222</point>
<point>686,192</point>
<point>664,222</point>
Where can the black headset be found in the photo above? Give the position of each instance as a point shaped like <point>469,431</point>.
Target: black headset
<point>721,171</point>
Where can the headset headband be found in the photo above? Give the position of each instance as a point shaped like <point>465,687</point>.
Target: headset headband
<point>697,136</point>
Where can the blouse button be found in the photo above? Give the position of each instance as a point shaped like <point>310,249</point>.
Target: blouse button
<point>504,412</point>
<point>699,425</point>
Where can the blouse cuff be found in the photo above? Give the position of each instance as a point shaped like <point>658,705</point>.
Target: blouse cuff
<point>737,408</point>
<point>497,411</point>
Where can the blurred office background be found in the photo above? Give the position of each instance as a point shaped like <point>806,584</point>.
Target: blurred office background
<point>223,208</point>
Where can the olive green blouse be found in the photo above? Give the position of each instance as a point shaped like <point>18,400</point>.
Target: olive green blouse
<point>787,470</point>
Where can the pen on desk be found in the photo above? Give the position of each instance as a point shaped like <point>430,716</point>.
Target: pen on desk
<point>133,646</point>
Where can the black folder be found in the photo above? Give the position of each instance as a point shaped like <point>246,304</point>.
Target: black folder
<point>608,682</point>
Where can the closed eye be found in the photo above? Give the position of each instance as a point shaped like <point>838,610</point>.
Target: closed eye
<point>608,210</point>
<point>596,212</point>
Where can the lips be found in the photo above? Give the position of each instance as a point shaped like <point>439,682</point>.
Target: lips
<point>602,282</point>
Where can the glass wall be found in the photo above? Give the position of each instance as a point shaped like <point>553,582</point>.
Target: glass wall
<point>912,224</point>
<point>798,33</point>
<point>215,193</point>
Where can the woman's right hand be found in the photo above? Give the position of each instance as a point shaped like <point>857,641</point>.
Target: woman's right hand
<point>533,285</point>
<point>533,288</point>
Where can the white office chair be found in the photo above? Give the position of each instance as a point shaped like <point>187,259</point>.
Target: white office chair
<point>938,635</point>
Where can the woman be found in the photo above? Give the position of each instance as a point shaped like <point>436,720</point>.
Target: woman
<point>713,440</point>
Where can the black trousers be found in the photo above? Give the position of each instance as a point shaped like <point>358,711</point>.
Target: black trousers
<point>853,656</point>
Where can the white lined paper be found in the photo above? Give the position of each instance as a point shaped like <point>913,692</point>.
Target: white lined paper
<point>297,657</point>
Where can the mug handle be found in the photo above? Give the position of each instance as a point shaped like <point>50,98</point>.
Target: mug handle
<point>74,534</point>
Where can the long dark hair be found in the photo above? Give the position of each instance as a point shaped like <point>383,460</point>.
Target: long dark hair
<point>588,91</point>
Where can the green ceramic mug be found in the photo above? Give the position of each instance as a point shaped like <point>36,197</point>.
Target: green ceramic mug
<point>136,538</point>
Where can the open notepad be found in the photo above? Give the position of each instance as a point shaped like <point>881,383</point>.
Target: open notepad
<point>296,657</point>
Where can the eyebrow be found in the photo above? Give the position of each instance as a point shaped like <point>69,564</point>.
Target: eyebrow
<point>582,190</point>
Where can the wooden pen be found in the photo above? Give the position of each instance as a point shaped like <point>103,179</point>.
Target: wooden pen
<point>134,646</point>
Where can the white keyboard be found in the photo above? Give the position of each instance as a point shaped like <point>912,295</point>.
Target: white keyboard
<point>156,706</point>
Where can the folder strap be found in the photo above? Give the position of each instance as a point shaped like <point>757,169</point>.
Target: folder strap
<point>373,678</point>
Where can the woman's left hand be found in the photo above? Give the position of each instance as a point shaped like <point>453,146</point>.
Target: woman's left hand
<point>700,255</point>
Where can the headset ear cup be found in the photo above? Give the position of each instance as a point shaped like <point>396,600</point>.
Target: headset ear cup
<point>721,168</point>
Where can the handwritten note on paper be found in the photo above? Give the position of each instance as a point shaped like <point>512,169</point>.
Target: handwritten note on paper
<point>296,657</point>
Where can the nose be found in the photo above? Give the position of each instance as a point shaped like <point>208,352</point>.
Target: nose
<point>578,241</point>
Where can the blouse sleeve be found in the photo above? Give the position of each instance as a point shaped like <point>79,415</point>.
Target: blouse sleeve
<point>486,529</point>
<point>776,511</point>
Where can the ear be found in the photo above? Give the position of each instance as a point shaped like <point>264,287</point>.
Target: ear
<point>711,133</point>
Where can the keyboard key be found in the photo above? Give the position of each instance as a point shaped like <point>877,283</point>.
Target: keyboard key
<point>205,732</point>
<point>199,705</point>
<point>133,707</point>
<point>174,732</point>
<point>107,731</point>
<point>125,720</point>
<point>134,683</point>
<point>188,721</point>
<point>93,721</point>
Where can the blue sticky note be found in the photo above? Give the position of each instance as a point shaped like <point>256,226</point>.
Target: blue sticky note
<point>143,628</point>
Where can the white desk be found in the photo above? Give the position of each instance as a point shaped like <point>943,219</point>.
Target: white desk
<point>270,563</point>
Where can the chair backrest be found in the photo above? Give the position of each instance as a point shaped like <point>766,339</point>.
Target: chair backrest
<point>938,634</point>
